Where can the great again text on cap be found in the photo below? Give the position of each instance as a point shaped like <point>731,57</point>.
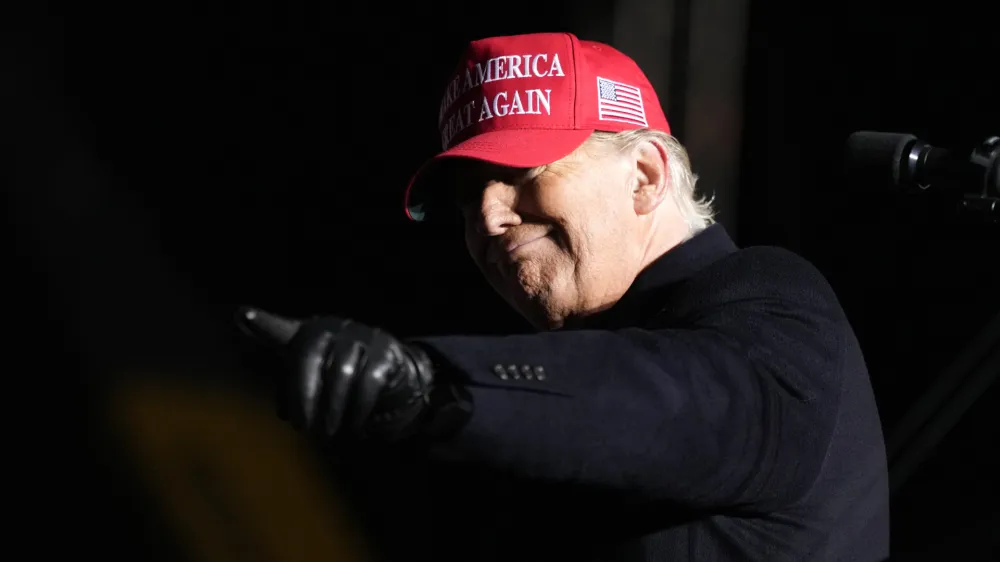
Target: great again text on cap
<point>518,102</point>
<point>533,101</point>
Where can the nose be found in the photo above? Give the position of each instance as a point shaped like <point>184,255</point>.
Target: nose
<point>496,209</point>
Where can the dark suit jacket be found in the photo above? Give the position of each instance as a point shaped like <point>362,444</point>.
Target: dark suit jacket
<point>721,410</point>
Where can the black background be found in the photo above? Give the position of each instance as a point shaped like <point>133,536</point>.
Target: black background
<point>171,162</point>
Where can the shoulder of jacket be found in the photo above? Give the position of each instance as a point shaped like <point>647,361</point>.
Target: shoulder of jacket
<point>754,275</point>
<point>768,265</point>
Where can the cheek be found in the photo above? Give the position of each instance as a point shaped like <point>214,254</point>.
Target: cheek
<point>557,269</point>
<point>543,271</point>
<point>587,233</point>
<point>597,248</point>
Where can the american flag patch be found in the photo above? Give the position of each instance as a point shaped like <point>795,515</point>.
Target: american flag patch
<point>619,102</point>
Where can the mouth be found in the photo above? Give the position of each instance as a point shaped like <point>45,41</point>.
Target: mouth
<point>497,254</point>
<point>514,246</point>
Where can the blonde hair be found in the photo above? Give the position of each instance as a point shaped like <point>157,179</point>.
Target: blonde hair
<point>696,210</point>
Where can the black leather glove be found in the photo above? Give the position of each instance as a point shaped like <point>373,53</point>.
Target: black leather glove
<point>348,378</point>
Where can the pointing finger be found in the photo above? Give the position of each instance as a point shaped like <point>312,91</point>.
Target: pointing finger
<point>266,327</point>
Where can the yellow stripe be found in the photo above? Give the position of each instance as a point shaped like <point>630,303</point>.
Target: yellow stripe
<point>238,483</point>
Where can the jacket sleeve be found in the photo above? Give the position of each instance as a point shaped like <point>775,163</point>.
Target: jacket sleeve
<point>706,417</point>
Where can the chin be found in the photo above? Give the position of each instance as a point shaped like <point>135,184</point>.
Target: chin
<point>533,296</point>
<point>539,313</point>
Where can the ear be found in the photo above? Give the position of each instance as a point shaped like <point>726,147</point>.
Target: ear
<point>652,176</point>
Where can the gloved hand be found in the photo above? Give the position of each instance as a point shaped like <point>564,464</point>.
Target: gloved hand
<point>347,378</point>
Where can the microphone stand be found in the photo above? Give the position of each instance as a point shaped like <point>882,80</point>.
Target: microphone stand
<point>977,367</point>
<point>941,406</point>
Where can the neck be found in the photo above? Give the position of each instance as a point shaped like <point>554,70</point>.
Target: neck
<point>665,234</point>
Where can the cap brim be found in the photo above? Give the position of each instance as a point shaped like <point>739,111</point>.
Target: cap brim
<point>517,148</point>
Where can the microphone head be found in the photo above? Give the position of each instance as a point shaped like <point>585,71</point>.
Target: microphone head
<point>878,156</point>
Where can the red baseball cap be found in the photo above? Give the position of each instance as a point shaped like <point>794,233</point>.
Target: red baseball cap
<point>529,100</point>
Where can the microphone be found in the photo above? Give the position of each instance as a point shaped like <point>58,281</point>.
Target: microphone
<point>904,162</point>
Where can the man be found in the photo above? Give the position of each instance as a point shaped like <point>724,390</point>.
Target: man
<point>683,399</point>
